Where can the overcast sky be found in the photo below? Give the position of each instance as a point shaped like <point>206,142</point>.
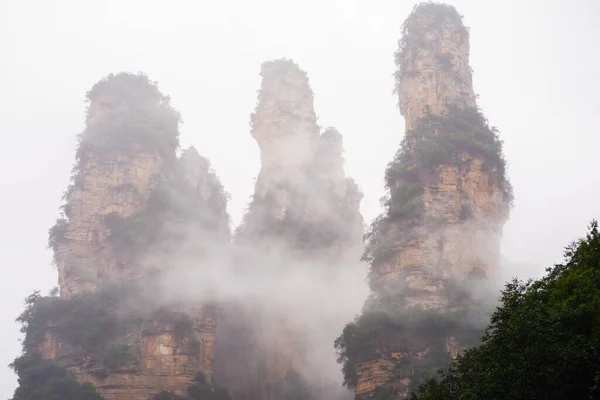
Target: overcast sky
<point>536,70</point>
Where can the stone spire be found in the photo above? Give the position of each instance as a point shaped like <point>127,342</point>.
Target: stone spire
<point>304,214</point>
<point>433,62</point>
<point>117,167</point>
<point>448,199</point>
<point>301,184</point>
<point>133,211</point>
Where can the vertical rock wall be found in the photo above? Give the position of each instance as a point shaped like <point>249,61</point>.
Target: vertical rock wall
<point>440,235</point>
<point>433,62</point>
<point>301,175</point>
<point>304,214</point>
<point>132,209</point>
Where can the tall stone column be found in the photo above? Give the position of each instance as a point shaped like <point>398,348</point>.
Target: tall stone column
<point>133,211</point>
<point>439,237</point>
<point>304,214</point>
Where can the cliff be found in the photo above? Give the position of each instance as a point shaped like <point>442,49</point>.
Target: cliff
<point>304,216</point>
<point>301,183</point>
<point>132,211</point>
<point>439,238</point>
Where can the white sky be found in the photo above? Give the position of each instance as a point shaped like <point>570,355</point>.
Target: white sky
<point>536,70</point>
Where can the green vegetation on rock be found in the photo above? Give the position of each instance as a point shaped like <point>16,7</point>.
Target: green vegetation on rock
<point>451,140</point>
<point>118,354</point>
<point>87,321</point>
<point>425,18</point>
<point>136,116</point>
<point>200,389</point>
<point>406,331</point>
<point>43,380</point>
<point>170,215</point>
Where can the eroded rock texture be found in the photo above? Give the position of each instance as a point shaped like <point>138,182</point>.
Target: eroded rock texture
<point>133,210</point>
<point>301,184</point>
<point>304,216</point>
<point>448,199</point>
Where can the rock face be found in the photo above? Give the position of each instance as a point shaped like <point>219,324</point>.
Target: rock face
<point>440,235</point>
<point>302,182</point>
<point>304,214</point>
<point>163,360</point>
<point>132,208</point>
<point>433,61</point>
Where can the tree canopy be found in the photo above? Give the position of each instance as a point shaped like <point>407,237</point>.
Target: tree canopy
<point>542,341</point>
<point>43,380</point>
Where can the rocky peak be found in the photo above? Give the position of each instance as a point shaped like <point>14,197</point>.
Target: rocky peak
<point>302,183</point>
<point>304,214</point>
<point>284,123</point>
<point>134,211</point>
<point>131,132</point>
<point>433,61</point>
<point>439,238</point>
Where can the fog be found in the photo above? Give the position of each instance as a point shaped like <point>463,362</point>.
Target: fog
<point>535,66</point>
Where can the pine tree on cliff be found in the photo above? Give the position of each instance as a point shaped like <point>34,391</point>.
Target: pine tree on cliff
<point>447,200</point>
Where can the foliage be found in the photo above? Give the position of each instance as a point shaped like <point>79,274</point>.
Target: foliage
<point>435,141</point>
<point>405,202</point>
<point>280,71</point>
<point>166,218</point>
<point>164,395</point>
<point>57,235</point>
<point>405,330</point>
<point>466,211</point>
<point>182,322</point>
<point>135,116</point>
<point>541,342</point>
<point>116,355</point>
<point>88,320</point>
<point>384,393</point>
<point>42,380</point>
<point>126,114</point>
<point>442,140</point>
<point>131,130</point>
<point>423,18</point>
<point>200,389</point>
<point>292,387</point>
<point>303,235</point>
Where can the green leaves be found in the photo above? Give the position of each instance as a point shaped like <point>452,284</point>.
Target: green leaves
<point>200,389</point>
<point>542,341</point>
<point>87,320</point>
<point>42,380</point>
<point>407,331</point>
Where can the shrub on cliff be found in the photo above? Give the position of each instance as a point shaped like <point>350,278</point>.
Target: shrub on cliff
<point>116,355</point>
<point>435,141</point>
<point>135,115</point>
<point>42,380</point>
<point>171,215</point>
<point>200,389</point>
<point>407,331</point>
<point>126,114</point>
<point>542,341</point>
<point>424,18</point>
<point>88,320</point>
<point>292,387</point>
<point>441,140</point>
